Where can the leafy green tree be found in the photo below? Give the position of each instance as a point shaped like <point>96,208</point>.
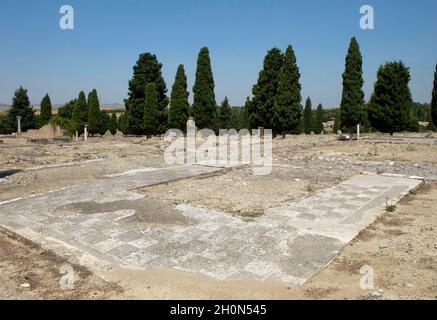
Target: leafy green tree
<point>308,117</point>
<point>113,124</point>
<point>421,111</point>
<point>204,109</point>
<point>434,100</point>
<point>390,107</point>
<point>318,120</point>
<point>261,112</point>
<point>94,114</point>
<point>66,123</point>
<point>80,112</point>
<point>21,107</point>
<point>66,111</point>
<point>352,100</point>
<point>46,110</point>
<point>150,121</point>
<point>287,109</point>
<point>179,106</point>
<point>225,114</point>
<point>146,70</point>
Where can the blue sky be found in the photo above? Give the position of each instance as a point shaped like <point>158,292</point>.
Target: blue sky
<point>108,36</point>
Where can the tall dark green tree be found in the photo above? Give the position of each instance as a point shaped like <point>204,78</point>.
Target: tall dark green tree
<point>94,114</point>
<point>46,110</point>
<point>21,107</point>
<point>150,120</point>
<point>204,109</point>
<point>5,125</point>
<point>287,109</point>
<point>318,120</point>
<point>352,99</point>
<point>244,115</point>
<point>390,107</point>
<point>146,70</point>
<point>103,123</point>
<point>235,120</point>
<point>179,107</point>
<point>122,123</point>
<point>112,127</point>
<point>80,112</point>
<point>336,122</point>
<point>261,112</point>
<point>434,100</point>
<point>225,113</point>
<point>308,117</point>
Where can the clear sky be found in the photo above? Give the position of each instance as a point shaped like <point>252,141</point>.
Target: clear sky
<point>109,35</point>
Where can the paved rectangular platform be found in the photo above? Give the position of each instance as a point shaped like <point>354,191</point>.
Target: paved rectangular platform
<point>287,244</point>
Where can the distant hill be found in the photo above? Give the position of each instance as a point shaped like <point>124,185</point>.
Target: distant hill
<point>112,106</point>
<point>4,106</point>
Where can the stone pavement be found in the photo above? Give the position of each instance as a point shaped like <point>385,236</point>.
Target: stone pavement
<point>287,244</point>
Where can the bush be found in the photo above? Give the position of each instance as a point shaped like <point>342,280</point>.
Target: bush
<point>65,123</point>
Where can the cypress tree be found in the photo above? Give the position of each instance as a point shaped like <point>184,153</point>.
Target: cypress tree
<point>337,122</point>
<point>434,100</point>
<point>261,112</point>
<point>5,125</point>
<point>366,126</point>
<point>119,122</point>
<point>390,107</point>
<point>204,109</point>
<point>113,124</point>
<point>46,110</point>
<point>308,117</point>
<point>122,123</point>
<point>94,114</point>
<point>21,107</point>
<point>244,115</point>
<point>318,120</point>
<point>179,106</point>
<point>236,117</point>
<point>150,121</point>
<point>352,100</point>
<point>225,114</point>
<point>146,70</point>
<point>103,123</point>
<point>80,112</point>
<point>287,111</point>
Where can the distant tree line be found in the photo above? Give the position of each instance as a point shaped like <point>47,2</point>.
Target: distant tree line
<point>73,116</point>
<point>275,103</point>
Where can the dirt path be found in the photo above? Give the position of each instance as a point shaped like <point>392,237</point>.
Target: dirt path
<point>29,272</point>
